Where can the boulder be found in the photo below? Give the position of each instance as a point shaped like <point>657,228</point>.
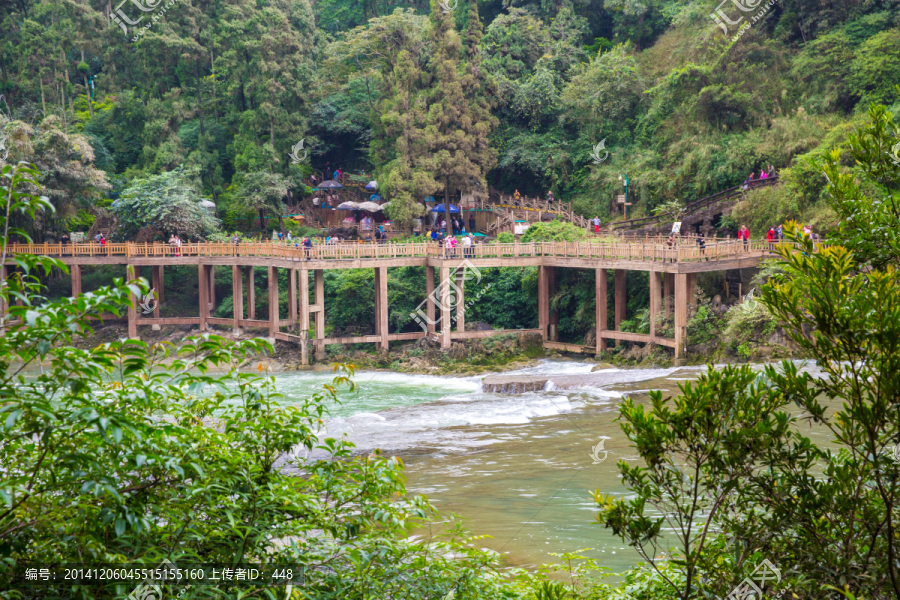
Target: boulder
<point>458,351</point>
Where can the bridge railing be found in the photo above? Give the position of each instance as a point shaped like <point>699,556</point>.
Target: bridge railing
<point>643,250</point>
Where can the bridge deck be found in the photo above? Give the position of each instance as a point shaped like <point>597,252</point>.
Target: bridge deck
<point>673,272</point>
<point>658,257</point>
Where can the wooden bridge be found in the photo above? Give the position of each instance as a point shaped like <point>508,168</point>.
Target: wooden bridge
<point>673,272</point>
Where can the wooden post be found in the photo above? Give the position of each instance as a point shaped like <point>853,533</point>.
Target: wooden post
<point>161,288</point>
<point>76,280</point>
<point>157,288</point>
<point>543,301</point>
<point>132,306</point>
<point>203,286</point>
<point>620,299</point>
<point>212,287</point>
<point>292,299</point>
<point>668,290</point>
<point>273,302</point>
<point>251,293</point>
<point>237,296</point>
<point>681,302</point>
<point>692,289</point>
<point>303,296</point>
<point>445,306</point>
<point>461,299</point>
<point>602,317</point>
<point>655,299</point>
<point>381,292</point>
<point>319,276</point>
<point>429,297</point>
<point>377,301</point>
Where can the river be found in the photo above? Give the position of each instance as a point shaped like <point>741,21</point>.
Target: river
<point>517,467</point>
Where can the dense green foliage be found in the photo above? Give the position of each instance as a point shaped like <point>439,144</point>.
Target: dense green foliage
<point>413,92</point>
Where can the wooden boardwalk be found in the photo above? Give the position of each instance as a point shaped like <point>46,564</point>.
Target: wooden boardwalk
<point>673,273</point>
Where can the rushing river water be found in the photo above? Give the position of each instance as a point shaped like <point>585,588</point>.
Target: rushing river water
<point>517,467</point>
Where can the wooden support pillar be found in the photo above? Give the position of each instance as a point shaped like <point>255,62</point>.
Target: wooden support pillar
<point>681,301</point>
<point>203,285</point>
<point>543,301</point>
<point>553,316</point>
<point>75,270</point>
<point>377,301</point>
<point>237,298</point>
<point>381,306</point>
<point>303,296</point>
<point>429,298</point>
<point>461,299</point>
<point>620,299</point>
<point>273,301</point>
<point>444,288</point>
<point>156,290</point>
<point>668,290</point>
<point>319,283</point>
<point>132,306</point>
<point>655,301</point>
<point>602,318</point>
<point>292,299</point>
<point>161,288</point>
<point>212,288</point>
<point>251,293</point>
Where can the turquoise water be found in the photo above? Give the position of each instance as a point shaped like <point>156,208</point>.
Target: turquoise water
<point>517,467</point>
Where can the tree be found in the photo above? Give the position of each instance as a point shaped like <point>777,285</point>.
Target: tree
<point>66,165</point>
<point>169,202</point>
<point>402,179</point>
<point>727,466</point>
<point>132,455</point>
<point>264,192</point>
<point>457,134</point>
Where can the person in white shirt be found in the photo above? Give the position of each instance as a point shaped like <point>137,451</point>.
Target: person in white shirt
<point>468,243</point>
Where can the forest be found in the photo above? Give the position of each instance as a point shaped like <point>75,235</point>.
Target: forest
<point>141,110</point>
<point>215,95</point>
<point>209,100</point>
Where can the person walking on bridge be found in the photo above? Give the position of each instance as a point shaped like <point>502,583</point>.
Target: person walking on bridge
<point>516,198</point>
<point>744,235</point>
<point>597,225</point>
<point>701,243</point>
<point>771,237</point>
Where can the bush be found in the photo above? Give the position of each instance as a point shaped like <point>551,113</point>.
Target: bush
<point>554,231</point>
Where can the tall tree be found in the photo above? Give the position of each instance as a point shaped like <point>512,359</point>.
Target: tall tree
<point>457,127</point>
<point>403,179</point>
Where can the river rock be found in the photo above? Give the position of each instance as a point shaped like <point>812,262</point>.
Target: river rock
<point>603,366</point>
<point>512,384</point>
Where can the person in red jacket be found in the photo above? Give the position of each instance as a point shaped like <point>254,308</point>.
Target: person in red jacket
<point>744,235</point>
<point>770,237</point>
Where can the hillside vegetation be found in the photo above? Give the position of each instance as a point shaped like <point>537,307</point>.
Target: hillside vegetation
<point>224,89</point>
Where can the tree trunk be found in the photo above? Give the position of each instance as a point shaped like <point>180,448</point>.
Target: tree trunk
<point>447,206</point>
<point>87,87</point>
<point>262,221</point>
<point>43,102</point>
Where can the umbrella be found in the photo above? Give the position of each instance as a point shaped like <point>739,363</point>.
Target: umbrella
<point>440,208</point>
<point>374,197</point>
<point>331,184</point>
<point>348,206</point>
<point>385,205</point>
<point>369,206</point>
<point>372,185</point>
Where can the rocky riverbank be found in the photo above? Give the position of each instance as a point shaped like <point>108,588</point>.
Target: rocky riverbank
<point>498,353</point>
